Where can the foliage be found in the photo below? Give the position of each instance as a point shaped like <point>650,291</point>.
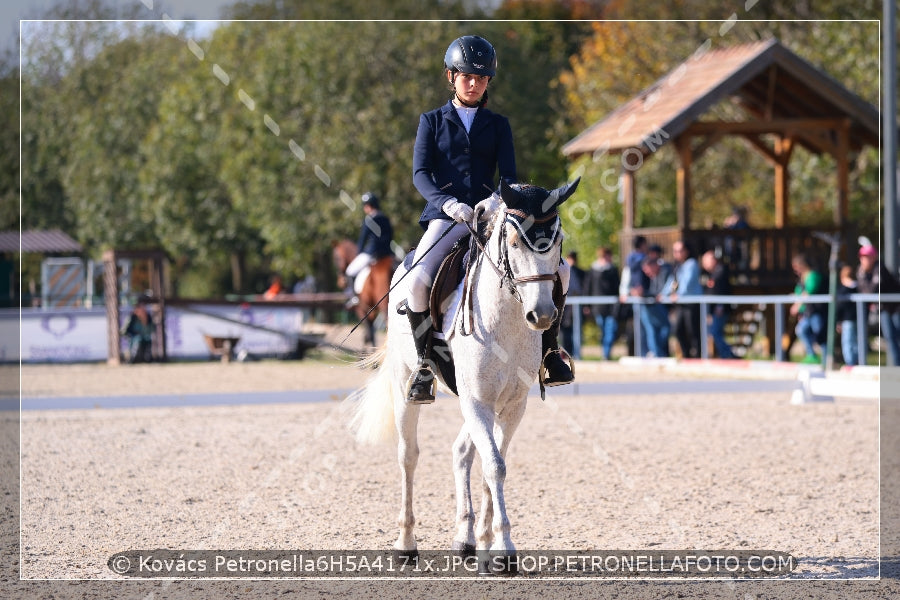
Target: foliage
<point>247,151</point>
<point>9,169</point>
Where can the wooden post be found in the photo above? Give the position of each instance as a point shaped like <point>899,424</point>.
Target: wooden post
<point>842,206</point>
<point>159,315</point>
<point>626,189</point>
<point>683,182</point>
<point>111,301</point>
<point>627,197</point>
<point>783,148</point>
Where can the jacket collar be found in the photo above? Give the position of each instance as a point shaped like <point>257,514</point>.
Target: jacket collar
<point>451,115</point>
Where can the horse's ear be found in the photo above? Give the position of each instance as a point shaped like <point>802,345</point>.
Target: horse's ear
<point>511,197</point>
<point>560,195</point>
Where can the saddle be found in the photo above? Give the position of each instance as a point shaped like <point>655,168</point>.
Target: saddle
<point>449,275</point>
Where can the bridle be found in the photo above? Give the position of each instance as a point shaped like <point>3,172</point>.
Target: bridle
<point>508,275</point>
<point>503,268</point>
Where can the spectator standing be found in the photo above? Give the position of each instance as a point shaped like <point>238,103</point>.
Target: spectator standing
<point>603,280</point>
<point>872,278</point>
<point>631,284</point>
<point>633,277</point>
<point>810,317</point>
<point>576,288</point>
<point>845,311</point>
<point>718,284</point>
<point>737,249</point>
<point>654,315</point>
<point>685,281</point>
<point>655,252</point>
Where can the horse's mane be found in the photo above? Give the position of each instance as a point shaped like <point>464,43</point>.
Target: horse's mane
<point>493,220</point>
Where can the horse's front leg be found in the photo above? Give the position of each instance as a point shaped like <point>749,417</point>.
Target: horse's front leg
<point>505,425</point>
<point>407,418</point>
<point>463,456</point>
<point>480,423</point>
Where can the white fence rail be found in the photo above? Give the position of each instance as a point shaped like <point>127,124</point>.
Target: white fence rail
<point>861,300</point>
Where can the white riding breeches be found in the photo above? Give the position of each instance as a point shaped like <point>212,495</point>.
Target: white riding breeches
<point>362,260</point>
<point>421,276</point>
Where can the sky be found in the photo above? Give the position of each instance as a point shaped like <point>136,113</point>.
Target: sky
<point>11,11</point>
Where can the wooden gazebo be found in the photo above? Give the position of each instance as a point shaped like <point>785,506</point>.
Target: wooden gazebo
<point>788,102</point>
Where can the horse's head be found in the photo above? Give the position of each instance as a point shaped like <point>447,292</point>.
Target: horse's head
<point>530,246</point>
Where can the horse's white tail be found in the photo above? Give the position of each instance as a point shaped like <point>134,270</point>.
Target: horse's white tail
<point>372,406</point>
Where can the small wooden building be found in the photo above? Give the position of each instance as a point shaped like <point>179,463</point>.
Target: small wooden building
<point>155,261</point>
<point>788,101</point>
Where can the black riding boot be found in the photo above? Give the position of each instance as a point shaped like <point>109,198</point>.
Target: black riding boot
<point>558,372</point>
<point>421,383</point>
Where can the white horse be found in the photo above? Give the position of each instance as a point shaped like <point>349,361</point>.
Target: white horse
<point>511,287</point>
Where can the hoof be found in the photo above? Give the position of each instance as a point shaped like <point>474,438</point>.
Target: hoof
<point>498,563</point>
<point>406,555</point>
<point>462,549</point>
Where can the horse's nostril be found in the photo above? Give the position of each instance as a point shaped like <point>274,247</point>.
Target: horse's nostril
<point>531,317</point>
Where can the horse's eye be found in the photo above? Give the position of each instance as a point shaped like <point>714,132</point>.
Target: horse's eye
<point>515,244</point>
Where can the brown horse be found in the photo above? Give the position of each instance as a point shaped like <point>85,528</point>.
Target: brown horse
<point>374,288</point>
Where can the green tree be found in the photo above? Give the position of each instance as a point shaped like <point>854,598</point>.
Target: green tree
<point>119,94</point>
<point>9,152</point>
<point>52,52</point>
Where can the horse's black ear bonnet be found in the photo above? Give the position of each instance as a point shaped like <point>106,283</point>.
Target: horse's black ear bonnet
<point>533,211</point>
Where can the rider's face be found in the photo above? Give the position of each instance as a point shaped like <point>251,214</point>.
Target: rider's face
<point>470,88</point>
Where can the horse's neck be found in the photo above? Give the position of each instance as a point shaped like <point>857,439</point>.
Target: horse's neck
<point>496,301</point>
<point>347,250</point>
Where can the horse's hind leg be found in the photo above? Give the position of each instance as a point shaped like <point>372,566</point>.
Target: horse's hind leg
<point>463,456</point>
<point>370,332</point>
<point>407,418</point>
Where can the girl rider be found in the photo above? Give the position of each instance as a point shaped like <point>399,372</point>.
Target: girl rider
<point>459,147</point>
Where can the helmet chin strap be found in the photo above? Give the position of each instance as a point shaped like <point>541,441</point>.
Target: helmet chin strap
<point>466,104</point>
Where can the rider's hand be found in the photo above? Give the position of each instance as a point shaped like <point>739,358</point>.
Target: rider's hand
<point>459,212</point>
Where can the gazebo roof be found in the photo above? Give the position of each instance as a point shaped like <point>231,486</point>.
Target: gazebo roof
<point>765,78</point>
<point>43,241</point>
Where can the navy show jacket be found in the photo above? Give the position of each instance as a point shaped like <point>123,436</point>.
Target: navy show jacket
<point>449,163</point>
<point>376,235</point>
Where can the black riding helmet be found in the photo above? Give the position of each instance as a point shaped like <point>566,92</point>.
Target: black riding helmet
<point>370,199</point>
<point>471,54</point>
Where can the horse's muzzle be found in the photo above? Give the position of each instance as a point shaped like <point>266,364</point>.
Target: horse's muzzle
<point>540,321</point>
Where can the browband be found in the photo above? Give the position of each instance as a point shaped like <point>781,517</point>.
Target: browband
<point>538,235</point>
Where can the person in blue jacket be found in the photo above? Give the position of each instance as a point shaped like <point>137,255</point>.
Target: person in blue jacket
<point>459,147</point>
<point>375,236</point>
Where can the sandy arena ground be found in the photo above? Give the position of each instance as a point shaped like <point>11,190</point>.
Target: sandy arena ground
<point>683,470</point>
